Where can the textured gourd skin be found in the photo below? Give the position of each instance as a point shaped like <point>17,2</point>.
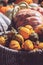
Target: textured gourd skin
<point>27,16</point>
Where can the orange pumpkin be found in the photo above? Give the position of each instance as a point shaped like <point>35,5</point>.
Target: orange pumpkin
<point>25,32</point>
<point>30,28</point>
<point>14,45</point>
<point>39,29</point>
<point>4,9</point>
<point>40,45</point>
<point>28,45</point>
<point>19,38</point>
<point>28,1</point>
<point>2,40</point>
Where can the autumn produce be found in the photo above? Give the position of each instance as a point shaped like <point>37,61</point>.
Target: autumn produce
<point>4,9</point>
<point>26,39</point>
<point>27,29</point>
<point>28,17</point>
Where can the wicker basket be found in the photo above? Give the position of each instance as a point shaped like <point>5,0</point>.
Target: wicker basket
<point>13,57</point>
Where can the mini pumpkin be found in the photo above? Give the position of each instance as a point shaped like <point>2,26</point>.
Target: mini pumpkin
<point>30,28</point>
<point>19,38</point>
<point>2,40</point>
<point>40,46</point>
<point>25,32</point>
<point>4,9</point>
<point>28,45</point>
<point>14,45</point>
<point>39,31</point>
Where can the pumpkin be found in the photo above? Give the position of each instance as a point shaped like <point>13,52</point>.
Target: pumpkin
<point>28,1</point>
<point>30,28</point>
<point>28,45</point>
<point>19,38</point>
<point>39,31</point>
<point>14,45</point>
<point>40,45</point>
<point>4,9</point>
<point>25,32</point>
<point>2,40</point>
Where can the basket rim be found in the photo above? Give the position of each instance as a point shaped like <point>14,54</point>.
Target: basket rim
<point>16,51</point>
<point>6,48</point>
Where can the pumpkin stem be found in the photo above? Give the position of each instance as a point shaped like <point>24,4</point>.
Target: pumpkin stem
<point>14,30</point>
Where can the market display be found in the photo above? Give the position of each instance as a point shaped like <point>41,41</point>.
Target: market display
<point>27,28</point>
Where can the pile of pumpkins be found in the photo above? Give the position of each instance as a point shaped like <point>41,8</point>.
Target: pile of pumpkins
<point>24,38</point>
